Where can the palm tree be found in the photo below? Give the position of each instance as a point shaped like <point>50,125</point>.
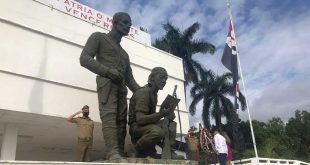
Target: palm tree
<point>214,90</point>
<point>183,45</point>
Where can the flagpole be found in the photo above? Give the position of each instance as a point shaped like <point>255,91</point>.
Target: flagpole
<point>246,102</point>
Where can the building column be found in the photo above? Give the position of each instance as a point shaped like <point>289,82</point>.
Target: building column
<point>9,142</point>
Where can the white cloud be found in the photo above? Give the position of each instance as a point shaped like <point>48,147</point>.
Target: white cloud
<point>281,100</point>
<point>273,45</point>
<point>276,57</point>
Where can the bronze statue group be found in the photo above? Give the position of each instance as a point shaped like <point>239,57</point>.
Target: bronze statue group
<point>104,56</point>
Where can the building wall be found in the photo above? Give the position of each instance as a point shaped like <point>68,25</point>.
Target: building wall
<point>39,64</point>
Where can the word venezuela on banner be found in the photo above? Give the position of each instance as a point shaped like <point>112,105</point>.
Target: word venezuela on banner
<point>95,17</point>
<point>230,60</point>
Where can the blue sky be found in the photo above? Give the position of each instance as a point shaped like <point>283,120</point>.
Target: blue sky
<point>272,36</point>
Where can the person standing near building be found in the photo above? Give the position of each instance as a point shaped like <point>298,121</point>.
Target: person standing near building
<point>85,127</point>
<point>114,74</point>
<point>220,147</point>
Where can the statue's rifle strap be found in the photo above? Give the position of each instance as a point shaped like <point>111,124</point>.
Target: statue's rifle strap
<point>174,94</point>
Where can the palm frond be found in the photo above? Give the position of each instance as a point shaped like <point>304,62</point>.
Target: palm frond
<point>228,107</point>
<point>242,101</point>
<point>170,28</point>
<point>217,112</point>
<point>181,44</point>
<point>208,76</point>
<point>199,46</point>
<point>190,31</point>
<point>196,88</point>
<point>206,112</point>
<point>191,70</point>
<point>162,44</point>
<point>196,99</point>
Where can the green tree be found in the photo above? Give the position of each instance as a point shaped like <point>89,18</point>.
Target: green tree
<point>260,136</point>
<point>244,128</point>
<point>275,139</point>
<point>183,45</point>
<point>275,145</point>
<point>298,131</point>
<point>213,91</point>
<point>276,127</point>
<point>271,140</point>
<point>248,150</point>
<point>260,132</point>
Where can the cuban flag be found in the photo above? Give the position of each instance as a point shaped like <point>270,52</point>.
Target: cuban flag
<point>230,60</point>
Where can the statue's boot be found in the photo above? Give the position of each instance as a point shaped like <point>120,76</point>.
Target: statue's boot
<point>140,152</point>
<point>153,153</point>
<point>110,138</point>
<point>149,152</point>
<point>114,156</point>
<point>176,156</point>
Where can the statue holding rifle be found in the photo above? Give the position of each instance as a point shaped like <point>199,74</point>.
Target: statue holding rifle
<point>146,125</point>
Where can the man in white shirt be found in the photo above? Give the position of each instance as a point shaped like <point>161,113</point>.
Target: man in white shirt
<point>220,146</point>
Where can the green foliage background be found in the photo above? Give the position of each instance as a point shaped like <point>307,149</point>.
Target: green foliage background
<point>275,139</point>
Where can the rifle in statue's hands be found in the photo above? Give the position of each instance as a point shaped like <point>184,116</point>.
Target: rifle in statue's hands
<point>166,149</point>
<point>169,104</point>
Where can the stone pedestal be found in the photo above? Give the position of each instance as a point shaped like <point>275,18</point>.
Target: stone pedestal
<point>150,161</point>
<point>103,162</point>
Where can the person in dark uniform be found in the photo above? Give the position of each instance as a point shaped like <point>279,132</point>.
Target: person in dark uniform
<point>85,128</point>
<point>114,73</point>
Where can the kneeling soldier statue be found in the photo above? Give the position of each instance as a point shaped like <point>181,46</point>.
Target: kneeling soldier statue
<point>146,126</point>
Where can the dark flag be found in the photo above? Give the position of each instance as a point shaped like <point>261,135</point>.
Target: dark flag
<point>230,60</point>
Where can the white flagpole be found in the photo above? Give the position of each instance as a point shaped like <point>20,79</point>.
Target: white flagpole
<point>246,102</point>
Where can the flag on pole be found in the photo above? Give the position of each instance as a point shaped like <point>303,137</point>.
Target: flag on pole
<point>230,60</point>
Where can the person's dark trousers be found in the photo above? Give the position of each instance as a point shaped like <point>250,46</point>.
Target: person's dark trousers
<point>222,158</point>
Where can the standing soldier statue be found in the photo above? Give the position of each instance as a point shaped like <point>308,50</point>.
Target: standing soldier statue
<point>113,70</point>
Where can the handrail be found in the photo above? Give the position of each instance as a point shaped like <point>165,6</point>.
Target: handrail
<point>269,161</point>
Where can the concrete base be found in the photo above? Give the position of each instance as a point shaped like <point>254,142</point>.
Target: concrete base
<point>150,161</point>
<point>104,162</point>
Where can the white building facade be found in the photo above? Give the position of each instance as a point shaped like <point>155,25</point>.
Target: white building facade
<point>42,82</point>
